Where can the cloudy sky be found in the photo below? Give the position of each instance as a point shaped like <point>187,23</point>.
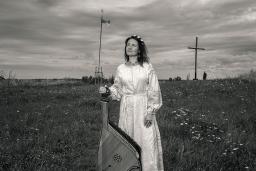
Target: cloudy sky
<point>60,38</point>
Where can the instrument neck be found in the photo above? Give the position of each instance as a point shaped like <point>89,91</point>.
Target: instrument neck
<point>105,109</point>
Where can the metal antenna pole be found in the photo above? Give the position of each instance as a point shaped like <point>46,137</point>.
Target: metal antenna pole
<point>99,75</point>
<point>101,19</point>
<point>196,59</point>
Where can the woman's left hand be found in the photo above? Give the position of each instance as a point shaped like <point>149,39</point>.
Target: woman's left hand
<point>148,120</point>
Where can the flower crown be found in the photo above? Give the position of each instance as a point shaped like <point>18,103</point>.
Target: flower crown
<point>138,38</point>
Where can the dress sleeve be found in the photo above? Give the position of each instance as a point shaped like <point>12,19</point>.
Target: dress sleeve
<point>154,92</point>
<point>116,88</point>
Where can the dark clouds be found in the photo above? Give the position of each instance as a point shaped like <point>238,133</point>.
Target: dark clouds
<point>58,37</point>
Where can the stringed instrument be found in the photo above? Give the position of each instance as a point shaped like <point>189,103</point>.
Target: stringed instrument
<point>117,151</point>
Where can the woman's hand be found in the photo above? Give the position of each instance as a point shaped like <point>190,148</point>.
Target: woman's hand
<point>148,120</point>
<point>102,90</point>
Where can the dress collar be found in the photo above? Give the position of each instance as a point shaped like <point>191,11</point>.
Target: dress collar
<point>132,64</point>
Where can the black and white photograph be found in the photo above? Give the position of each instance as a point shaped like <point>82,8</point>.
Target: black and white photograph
<point>138,85</point>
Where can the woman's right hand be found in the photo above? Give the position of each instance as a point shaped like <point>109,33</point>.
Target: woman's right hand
<point>102,90</point>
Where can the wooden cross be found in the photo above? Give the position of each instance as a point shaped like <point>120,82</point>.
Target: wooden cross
<point>196,48</point>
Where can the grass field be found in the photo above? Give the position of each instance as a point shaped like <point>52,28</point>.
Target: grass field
<point>204,125</point>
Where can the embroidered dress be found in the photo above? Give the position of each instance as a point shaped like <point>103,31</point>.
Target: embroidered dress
<point>138,89</point>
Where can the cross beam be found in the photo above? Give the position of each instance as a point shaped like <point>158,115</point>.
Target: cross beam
<point>196,48</point>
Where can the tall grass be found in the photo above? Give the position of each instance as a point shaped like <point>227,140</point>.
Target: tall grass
<point>204,125</point>
<point>210,125</point>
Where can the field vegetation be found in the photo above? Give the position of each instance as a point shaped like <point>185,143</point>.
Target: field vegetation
<point>55,125</point>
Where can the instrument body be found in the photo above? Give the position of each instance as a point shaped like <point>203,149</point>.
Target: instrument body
<point>117,151</point>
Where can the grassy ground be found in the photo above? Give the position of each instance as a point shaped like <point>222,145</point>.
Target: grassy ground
<point>204,125</point>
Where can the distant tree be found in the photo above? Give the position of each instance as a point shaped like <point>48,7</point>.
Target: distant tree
<point>252,74</point>
<point>11,79</point>
<point>2,75</point>
<point>91,79</point>
<point>188,76</point>
<point>204,76</point>
<point>170,79</point>
<point>178,78</point>
<point>85,79</point>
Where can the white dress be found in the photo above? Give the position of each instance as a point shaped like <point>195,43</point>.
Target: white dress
<point>138,89</point>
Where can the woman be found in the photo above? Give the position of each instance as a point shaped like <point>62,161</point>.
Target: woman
<point>136,85</point>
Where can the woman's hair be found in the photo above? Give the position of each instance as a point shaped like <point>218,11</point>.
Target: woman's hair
<point>142,52</point>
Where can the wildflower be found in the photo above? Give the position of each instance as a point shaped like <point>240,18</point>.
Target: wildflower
<point>235,149</point>
<point>36,129</point>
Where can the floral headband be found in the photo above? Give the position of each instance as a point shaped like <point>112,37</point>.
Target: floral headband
<point>138,38</point>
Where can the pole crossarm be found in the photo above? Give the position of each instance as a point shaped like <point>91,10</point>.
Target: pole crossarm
<point>105,21</point>
<point>196,48</point>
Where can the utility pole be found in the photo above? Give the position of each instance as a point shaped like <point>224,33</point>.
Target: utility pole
<point>98,70</point>
<point>196,48</point>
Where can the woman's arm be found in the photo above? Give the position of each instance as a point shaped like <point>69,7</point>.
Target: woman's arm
<point>116,88</point>
<point>154,92</point>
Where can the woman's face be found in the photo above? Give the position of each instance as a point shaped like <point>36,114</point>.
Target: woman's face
<point>132,47</point>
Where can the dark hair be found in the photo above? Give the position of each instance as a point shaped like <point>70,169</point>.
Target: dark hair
<point>142,55</point>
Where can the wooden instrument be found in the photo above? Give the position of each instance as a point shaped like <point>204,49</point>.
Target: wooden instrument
<point>117,151</point>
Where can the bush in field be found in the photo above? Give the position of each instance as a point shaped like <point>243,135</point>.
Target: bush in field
<point>178,78</point>
<point>90,79</point>
<point>85,79</point>
<point>2,75</point>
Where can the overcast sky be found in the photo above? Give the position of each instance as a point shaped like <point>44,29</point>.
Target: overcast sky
<point>60,38</point>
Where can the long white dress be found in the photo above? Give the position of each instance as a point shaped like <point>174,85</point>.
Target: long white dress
<point>138,89</point>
